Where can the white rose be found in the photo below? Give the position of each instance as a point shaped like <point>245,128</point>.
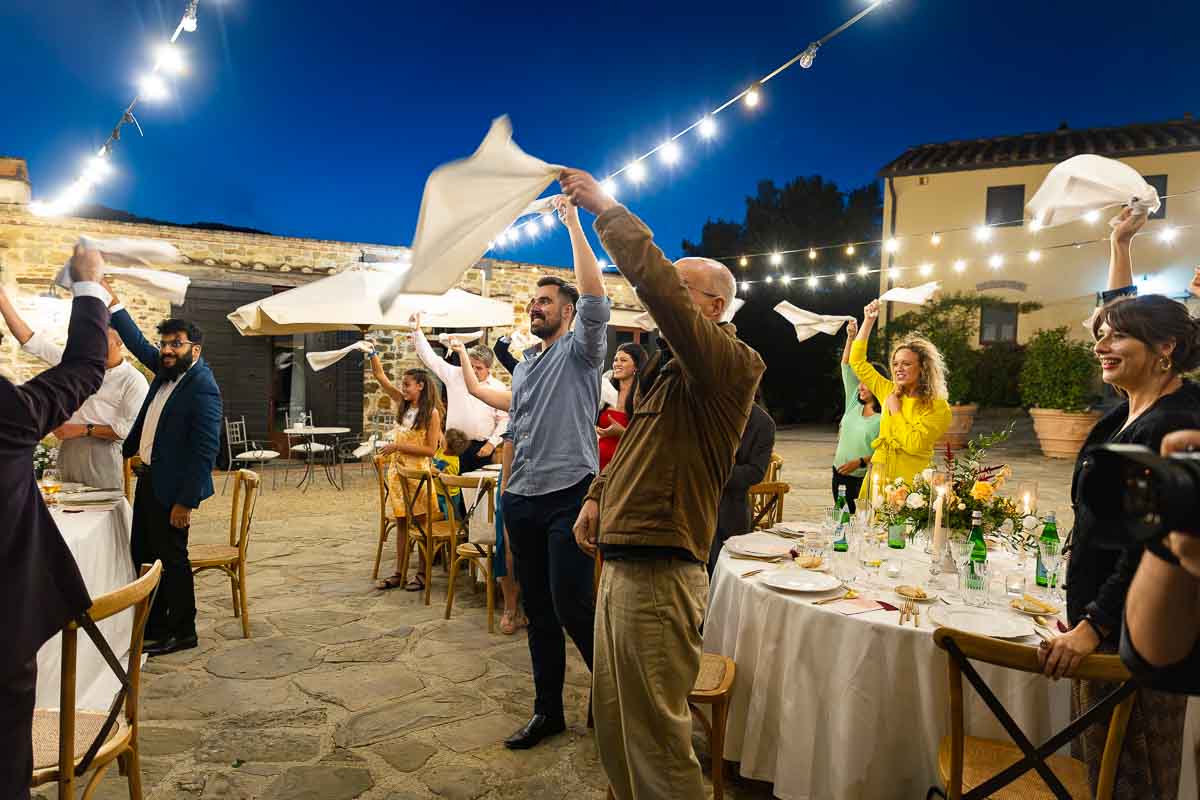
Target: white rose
<point>962,506</point>
<point>1030,523</point>
<point>927,475</point>
<point>1007,527</point>
<point>915,500</point>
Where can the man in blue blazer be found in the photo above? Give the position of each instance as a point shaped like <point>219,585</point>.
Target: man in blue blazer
<point>177,435</point>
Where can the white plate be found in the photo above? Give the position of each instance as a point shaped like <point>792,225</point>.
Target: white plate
<point>88,498</point>
<point>800,580</point>
<point>758,545</point>
<point>981,621</point>
<point>493,467</point>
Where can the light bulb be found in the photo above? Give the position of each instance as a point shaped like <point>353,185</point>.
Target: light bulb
<point>743,262</point>
<point>530,230</point>
<point>770,279</point>
<point>152,87</point>
<point>1035,225</point>
<point>812,254</point>
<point>894,273</point>
<point>745,286</point>
<point>601,264</point>
<point>170,58</point>
<point>669,153</point>
<point>547,221</point>
<point>983,233</point>
<point>863,270</point>
<point>926,270</point>
<point>960,265</point>
<point>849,249</point>
<point>812,281</point>
<point>936,239</point>
<point>189,20</point>
<point>1035,256</point>
<point>96,169</point>
<point>996,261</point>
<point>610,187</point>
<point>1167,235</point>
<point>1091,217</point>
<point>708,127</point>
<point>786,278</point>
<point>809,55</point>
<point>892,246</point>
<point>636,171</point>
<point>40,208</point>
<point>753,95</point>
<point>841,277</point>
<point>776,259</point>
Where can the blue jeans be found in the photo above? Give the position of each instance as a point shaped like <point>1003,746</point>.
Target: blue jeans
<point>556,586</point>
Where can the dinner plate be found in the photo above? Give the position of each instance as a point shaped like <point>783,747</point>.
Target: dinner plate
<point>89,498</point>
<point>981,621</point>
<point>800,580</point>
<point>758,545</point>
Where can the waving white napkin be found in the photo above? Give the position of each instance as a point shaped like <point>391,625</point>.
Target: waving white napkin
<point>1090,183</point>
<point>125,258</point>
<point>917,295</point>
<point>467,204</point>
<point>809,324</point>
<point>608,393</point>
<point>647,323</point>
<point>327,358</point>
<point>466,338</point>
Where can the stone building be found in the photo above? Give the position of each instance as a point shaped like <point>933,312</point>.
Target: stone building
<point>229,269</point>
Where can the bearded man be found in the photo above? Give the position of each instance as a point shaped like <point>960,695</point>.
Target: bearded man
<point>177,435</point>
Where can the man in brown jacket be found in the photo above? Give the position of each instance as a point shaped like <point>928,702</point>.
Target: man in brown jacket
<point>655,506</point>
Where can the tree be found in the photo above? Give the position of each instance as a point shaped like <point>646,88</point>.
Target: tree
<point>802,382</point>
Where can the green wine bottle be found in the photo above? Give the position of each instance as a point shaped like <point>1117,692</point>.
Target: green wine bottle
<point>841,516</point>
<point>975,580</point>
<point>1049,534</point>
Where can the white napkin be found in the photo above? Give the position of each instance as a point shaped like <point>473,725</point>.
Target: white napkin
<point>647,323</point>
<point>1090,183</point>
<point>124,258</point>
<point>916,296</point>
<point>608,393</point>
<point>467,204</point>
<point>327,358</point>
<point>466,338</point>
<point>520,341</point>
<point>809,324</point>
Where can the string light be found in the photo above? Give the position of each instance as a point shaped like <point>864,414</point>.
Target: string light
<point>809,55</point>
<point>547,221</point>
<point>1035,256</point>
<point>863,271</point>
<point>152,87</point>
<point>776,259</point>
<point>936,239</point>
<point>849,249</point>
<point>786,278</point>
<point>894,273</point>
<point>893,245</point>
<point>96,169</point>
<point>812,255</point>
<point>1167,235</point>
<point>960,266</point>
<point>770,279</point>
<point>669,153</point>
<point>1035,225</point>
<point>841,277</point>
<point>1091,217</point>
<point>170,58</point>
<point>636,171</point>
<point>743,262</point>
<point>983,233</point>
<point>609,185</point>
<point>753,95</point>
<point>601,264</point>
<point>926,270</point>
<point>996,261</point>
<point>745,286</point>
<point>707,127</point>
<point>812,281</point>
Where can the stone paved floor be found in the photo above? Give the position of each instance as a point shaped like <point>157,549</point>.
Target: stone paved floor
<point>347,692</point>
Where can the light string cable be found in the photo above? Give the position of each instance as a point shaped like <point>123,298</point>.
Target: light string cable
<point>151,87</point>
<point>668,149</point>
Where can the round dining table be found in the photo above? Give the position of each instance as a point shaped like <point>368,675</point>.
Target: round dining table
<point>311,433</point>
<point>836,702</point>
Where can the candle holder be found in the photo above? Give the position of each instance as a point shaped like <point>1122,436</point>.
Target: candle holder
<point>1027,497</point>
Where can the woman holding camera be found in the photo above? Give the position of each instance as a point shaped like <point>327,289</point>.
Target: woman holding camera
<point>1144,345</point>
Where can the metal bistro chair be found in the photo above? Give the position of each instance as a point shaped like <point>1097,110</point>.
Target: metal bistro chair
<point>478,549</point>
<point>59,734</point>
<point>366,451</point>
<point>251,453</point>
<point>988,768</point>
<point>766,504</point>
<point>231,558</point>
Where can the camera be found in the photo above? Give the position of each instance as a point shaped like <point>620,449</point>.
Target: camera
<point>1149,495</point>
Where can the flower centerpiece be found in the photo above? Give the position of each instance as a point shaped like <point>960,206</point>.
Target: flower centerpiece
<point>44,457</point>
<point>969,485</point>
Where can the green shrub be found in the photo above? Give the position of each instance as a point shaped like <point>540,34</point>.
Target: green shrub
<point>997,375</point>
<point>1059,372</point>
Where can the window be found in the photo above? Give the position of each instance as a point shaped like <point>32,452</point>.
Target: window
<point>1159,182</point>
<point>1006,206</point>
<point>998,323</point>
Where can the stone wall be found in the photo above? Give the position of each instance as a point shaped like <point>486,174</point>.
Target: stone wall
<point>32,249</point>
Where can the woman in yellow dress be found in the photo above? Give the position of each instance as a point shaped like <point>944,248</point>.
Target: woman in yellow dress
<point>418,433</point>
<point>915,411</point>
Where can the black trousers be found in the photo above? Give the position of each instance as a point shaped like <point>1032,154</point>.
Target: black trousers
<point>18,692</point>
<point>470,460</point>
<point>556,586</point>
<point>173,612</point>
<point>853,487</point>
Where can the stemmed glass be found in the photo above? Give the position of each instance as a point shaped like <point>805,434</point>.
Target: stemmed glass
<point>960,551</point>
<point>1052,556</point>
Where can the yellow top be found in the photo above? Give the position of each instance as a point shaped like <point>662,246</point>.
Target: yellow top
<point>905,444</point>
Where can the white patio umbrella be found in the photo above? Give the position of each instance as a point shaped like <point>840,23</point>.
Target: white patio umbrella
<point>349,300</point>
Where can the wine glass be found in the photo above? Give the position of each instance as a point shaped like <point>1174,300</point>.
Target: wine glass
<point>1051,554</point>
<point>50,482</point>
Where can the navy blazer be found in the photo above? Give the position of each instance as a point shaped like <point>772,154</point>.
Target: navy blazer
<point>188,436</point>
<point>40,584</point>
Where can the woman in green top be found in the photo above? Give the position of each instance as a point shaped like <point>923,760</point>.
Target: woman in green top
<point>858,429</point>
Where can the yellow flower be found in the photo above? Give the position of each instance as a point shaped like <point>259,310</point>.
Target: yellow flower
<point>982,491</point>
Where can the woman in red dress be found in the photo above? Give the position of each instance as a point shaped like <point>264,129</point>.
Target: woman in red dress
<point>615,412</point>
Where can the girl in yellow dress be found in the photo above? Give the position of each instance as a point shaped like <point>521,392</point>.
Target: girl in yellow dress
<point>915,411</point>
<point>418,432</point>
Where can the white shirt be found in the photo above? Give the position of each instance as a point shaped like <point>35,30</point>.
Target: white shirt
<point>153,412</point>
<point>467,413</point>
<point>119,399</point>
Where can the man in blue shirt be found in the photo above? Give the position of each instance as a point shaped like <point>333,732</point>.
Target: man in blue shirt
<point>550,457</point>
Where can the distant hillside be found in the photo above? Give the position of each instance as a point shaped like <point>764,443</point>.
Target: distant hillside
<point>105,214</point>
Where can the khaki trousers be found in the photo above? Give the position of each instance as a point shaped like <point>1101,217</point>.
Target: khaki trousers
<point>647,656</point>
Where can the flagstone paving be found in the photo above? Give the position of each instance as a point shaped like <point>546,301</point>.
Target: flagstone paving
<point>347,692</point>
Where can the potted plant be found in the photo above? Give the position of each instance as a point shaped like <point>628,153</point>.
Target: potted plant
<point>1059,385</point>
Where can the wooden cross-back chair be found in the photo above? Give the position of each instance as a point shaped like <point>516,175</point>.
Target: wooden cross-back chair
<point>766,504</point>
<point>431,531</point>
<point>774,467</point>
<point>231,558</point>
<point>972,768</point>
<point>58,735</point>
<point>387,522</point>
<point>474,552</point>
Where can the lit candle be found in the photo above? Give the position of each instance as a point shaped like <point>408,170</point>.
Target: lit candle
<point>939,537</point>
<point>1025,507</point>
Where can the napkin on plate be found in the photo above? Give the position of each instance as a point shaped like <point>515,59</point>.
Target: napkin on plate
<point>1088,183</point>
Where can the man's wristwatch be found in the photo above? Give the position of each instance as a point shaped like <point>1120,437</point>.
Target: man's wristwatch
<point>862,463</point>
<point>88,430</point>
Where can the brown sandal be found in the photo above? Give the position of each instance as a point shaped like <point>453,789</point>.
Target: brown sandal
<point>390,583</point>
<point>417,584</point>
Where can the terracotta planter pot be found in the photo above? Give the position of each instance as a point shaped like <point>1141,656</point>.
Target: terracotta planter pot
<point>959,432</point>
<point>1061,433</point>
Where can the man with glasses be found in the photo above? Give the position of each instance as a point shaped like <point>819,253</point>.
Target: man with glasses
<point>654,508</point>
<point>177,435</point>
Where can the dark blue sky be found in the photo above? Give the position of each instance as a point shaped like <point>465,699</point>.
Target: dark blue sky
<point>323,119</point>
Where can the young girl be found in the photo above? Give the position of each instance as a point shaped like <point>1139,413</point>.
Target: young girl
<point>418,432</point>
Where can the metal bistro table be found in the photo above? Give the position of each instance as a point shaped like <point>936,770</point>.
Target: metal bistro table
<point>311,434</point>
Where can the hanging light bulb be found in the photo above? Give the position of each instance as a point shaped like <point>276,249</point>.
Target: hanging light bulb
<point>960,265</point>
<point>892,245</point>
<point>152,87</point>
<point>170,58</point>
<point>547,221</point>
<point>1035,256</point>
<point>770,279</point>
<point>1168,234</point>
<point>841,277</point>
<point>863,270</point>
<point>743,262</point>
<point>996,261</point>
<point>753,95</point>
<point>96,168</point>
<point>669,153</point>
<point>894,273</point>
<point>1091,217</point>
<point>812,281</point>
<point>1035,225</point>
<point>786,278</point>
<point>776,259</point>
<point>708,127</point>
<point>849,249</point>
<point>983,233</point>
<point>812,254</point>
<point>936,239</point>
<point>926,270</point>
<point>610,187</point>
<point>601,264</point>
<point>745,286</point>
<point>636,171</point>
<point>809,55</point>
<point>189,18</point>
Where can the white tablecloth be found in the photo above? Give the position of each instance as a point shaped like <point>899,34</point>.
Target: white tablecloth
<point>834,707</point>
<point>99,540</point>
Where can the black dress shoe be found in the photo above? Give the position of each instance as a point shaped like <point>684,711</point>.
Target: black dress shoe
<point>172,644</point>
<point>539,727</point>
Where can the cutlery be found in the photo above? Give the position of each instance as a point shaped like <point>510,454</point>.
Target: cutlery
<point>916,615</point>
<point>752,573</point>
<point>904,612</point>
<point>849,595</point>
